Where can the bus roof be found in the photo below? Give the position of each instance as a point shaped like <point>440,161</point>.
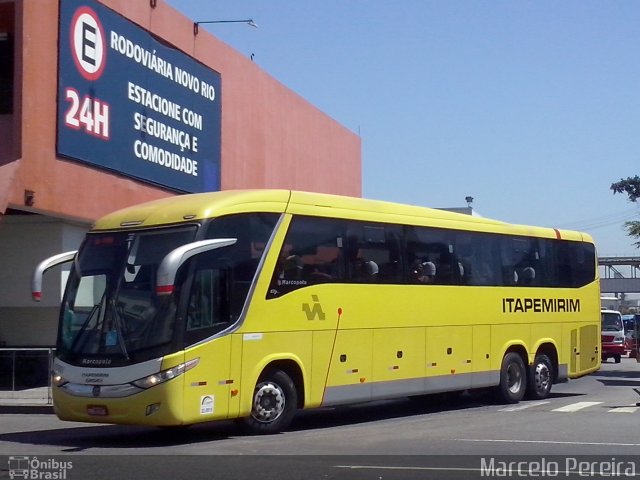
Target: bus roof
<point>198,206</point>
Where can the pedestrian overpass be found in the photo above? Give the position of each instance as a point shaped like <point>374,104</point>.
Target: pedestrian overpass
<point>619,274</point>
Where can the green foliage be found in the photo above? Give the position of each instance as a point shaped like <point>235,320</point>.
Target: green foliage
<point>633,230</point>
<point>630,186</point>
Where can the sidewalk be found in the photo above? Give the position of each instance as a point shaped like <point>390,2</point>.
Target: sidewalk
<point>21,401</point>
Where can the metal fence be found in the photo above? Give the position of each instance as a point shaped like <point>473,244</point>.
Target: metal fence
<point>25,373</point>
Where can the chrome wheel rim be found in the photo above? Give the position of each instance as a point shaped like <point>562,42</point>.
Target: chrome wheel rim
<point>542,377</point>
<point>514,378</point>
<point>268,402</point>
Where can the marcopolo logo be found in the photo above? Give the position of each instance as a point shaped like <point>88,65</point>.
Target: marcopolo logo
<point>313,312</point>
<point>38,469</point>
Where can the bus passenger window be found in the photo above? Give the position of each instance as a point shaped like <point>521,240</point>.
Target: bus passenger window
<point>365,271</point>
<point>584,266</point>
<point>519,257</point>
<point>374,253</point>
<point>430,246</point>
<point>209,309</point>
<point>449,271</point>
<point>476,253</point>
<point>311,255</point>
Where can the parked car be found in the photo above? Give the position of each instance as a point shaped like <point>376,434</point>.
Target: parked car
<point>612,335</point>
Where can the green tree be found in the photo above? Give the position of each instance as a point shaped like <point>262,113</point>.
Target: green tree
<point>630,186</point>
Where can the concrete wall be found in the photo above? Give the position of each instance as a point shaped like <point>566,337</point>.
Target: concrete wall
<point>25,240</point>
<point>271,137</point>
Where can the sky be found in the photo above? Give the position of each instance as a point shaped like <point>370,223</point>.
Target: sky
<point>530,107</point>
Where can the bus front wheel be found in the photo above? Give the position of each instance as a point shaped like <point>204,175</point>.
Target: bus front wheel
<point>273,404</point>
<point>512,378</point>
<point>540,377</point>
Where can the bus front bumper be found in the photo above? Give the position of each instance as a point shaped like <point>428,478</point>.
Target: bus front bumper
<point>160,406</point>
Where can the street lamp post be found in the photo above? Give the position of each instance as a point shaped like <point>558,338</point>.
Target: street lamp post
<point>248,21</point>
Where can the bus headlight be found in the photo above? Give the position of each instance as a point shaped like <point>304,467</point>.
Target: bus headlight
<point>618,340</point>
<point>57,379</point>
<point>165,375</point>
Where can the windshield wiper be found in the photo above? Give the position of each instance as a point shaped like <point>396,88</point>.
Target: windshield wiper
<point>83,328</point>
<point>119,329</point>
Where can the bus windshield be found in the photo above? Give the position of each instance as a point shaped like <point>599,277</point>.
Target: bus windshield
<point>611,322</point>
<point>110,307</point>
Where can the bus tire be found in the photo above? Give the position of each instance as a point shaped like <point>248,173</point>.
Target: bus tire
<point>512,378</point>
<point>540,377</point>
<point>616,358</point>
<point>274,403</point>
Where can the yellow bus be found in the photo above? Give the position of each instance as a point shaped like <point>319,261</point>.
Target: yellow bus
<point>254,304</point>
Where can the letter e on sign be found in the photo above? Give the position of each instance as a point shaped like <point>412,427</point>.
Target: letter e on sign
<point>88,47</point>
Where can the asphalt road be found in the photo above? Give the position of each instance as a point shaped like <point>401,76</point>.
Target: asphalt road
<point>587,425</point>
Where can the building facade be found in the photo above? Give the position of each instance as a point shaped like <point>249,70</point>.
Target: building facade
<point>105,104</point>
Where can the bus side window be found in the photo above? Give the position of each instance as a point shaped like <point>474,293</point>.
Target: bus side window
<point>563,271</point>
<point>585,267</point>
<point>209,309</point>
<point>518,261</point>
<point>311,254</point>
<point>476,253</point>
<point>449,271</point>
<point>436,247</point>
<point>374,253</point>
<point>200,310</point>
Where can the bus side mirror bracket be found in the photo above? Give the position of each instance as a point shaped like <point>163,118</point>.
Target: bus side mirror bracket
<point>174,259</point>
<point>36,281</point>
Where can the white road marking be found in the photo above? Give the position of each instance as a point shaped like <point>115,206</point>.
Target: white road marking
<point>549,441</point>
<point>523,406</point>
<point>624,410</point>
<point>574,407</point>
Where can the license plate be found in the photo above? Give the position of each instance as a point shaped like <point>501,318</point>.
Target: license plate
<point>97,410</point>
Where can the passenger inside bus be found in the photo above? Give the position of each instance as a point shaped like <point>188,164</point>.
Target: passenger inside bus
<point>368,271</point>
<point>527,276</point>
<point>292,267</point>
<point>449,271</point>
<point>425,272</point>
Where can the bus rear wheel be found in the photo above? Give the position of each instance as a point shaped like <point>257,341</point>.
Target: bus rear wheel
<point>512,378</point>
<point>274,403</point>
<point>540,377</point>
